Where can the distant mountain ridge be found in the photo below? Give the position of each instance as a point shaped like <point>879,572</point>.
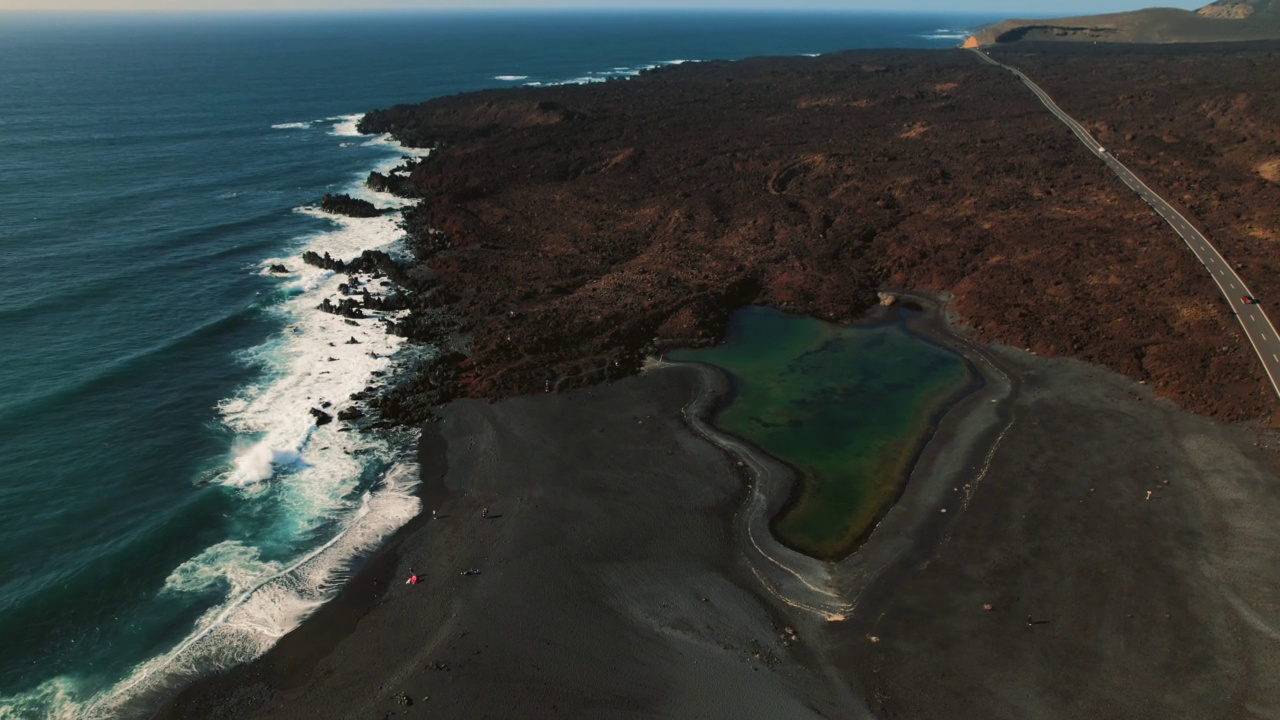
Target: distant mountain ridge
<point>1220,21</point>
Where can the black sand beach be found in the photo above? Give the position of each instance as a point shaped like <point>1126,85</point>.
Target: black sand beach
<point>626,570</point>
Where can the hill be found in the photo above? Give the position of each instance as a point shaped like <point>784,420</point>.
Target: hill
<point>1221,21</point>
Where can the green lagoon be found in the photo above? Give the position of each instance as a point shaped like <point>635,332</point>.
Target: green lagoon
<point>848,406</point>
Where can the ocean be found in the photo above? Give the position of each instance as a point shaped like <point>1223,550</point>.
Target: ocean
<point>168,505</point>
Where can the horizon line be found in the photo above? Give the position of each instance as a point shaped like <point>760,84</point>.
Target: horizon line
<point>386,10</point>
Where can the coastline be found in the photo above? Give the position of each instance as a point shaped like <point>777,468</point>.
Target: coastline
<point>930,190</point>
<point>248,686</point>
<point>628,571</point>
<point>633,627</point>
<point>783,578</point>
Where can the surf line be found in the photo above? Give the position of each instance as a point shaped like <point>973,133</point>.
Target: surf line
<point>382,508</point>
<point>121,692</point>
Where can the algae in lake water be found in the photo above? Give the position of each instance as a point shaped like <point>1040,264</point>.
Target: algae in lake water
<point>849,407</point>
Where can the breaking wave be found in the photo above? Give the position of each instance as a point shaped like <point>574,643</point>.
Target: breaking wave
<point>314,497</point>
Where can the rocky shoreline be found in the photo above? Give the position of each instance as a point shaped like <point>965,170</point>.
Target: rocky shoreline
<point>563,233</point>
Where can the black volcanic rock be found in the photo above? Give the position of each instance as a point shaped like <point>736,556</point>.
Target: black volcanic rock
<point>322,417</point>
<point>346,205</point>
<point>375,262</point>
<point>346,307</point>
<point>567,228</point>
<point>393,183</point>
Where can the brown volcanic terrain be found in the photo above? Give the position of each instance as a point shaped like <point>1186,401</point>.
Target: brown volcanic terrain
<point>1203,133</point>
<point>1221,21</point>
<point>568,227</point>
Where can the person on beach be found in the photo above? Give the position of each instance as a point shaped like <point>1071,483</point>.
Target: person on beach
<point>413,578</point>
<point>484,512</point>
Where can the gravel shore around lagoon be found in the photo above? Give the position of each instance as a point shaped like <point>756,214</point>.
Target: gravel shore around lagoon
<point>626,569</point>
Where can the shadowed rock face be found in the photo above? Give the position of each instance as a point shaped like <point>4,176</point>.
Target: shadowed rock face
<point>567,228</point>
<point>1221,21</point>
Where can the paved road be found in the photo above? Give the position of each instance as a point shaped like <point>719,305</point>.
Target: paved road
<point>1257,327</point>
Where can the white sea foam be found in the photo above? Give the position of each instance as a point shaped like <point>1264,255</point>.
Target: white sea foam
<point>585,80</point>
<point>260,461</point>
<point>319,482</point>
<point>292,126</point>
<point>946,34</point>
<point>265,600</point>
<point>345,125</point>
<point>386,167</point>
<point>596,76</point>
<point>510,78</point>
<point>319,361</point>
<point>231,563</point>
<point>52,700</point>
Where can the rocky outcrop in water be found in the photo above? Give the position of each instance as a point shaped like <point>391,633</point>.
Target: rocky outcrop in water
<point>346,308</point>
<point>344,204</point>
<point>393,183</point>
<point>374,262</point>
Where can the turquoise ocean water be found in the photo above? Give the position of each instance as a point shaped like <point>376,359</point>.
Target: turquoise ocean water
<point>167,505</point>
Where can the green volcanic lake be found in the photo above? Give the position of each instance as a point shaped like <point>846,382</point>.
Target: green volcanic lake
<point>848,406</point>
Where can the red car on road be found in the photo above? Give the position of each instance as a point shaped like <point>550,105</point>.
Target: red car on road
<point>1248,300</point>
